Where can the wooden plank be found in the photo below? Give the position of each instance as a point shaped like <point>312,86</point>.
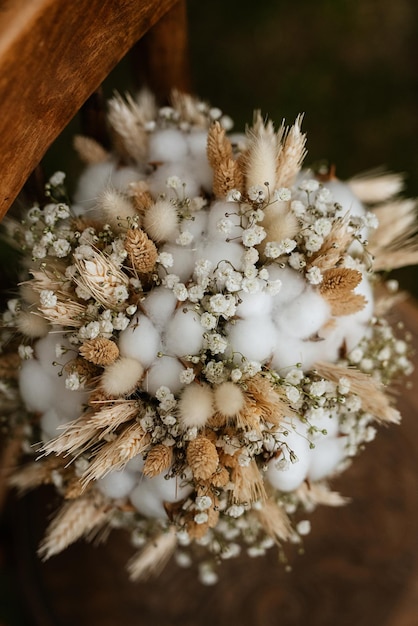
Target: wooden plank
<point>53,55</point>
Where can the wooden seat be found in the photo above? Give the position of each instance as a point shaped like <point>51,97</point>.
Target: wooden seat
<point>55,53</point>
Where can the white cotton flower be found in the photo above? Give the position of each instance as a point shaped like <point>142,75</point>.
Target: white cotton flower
<point>318,388</point>
<point>47,298</point>
<point>203,503</point>
<point>314,275</point>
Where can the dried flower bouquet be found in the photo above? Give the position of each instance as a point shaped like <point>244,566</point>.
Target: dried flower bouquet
<point>198,345</point>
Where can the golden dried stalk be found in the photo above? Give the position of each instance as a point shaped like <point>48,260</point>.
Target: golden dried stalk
<point>100,277</point>
<point>100,351</point>
<point>75,520</point>
<point>291,155</point>
<point>373,398</point>
<point>127,121</point>
<point>202,457</point>
<point>114,455</point>
<point>159,458</point>
<point>34,474</point>
<point>312,494</point>
<point>141,250</point>
<point>270,401</point>
<point>188,109</point>
<point>337,288</point>
<point>248,483</point>
<point>348,304</point>
<point>227,173</point>
<point>333,248</point>
<point>152,559</point>
<point>274,520</point>
<point>89,150</point>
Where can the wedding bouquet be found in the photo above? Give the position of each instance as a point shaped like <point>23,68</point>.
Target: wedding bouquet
<point>198,343</point>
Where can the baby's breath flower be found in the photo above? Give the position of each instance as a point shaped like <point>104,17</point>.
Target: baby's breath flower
<point>253,236</point>
<point>298,208</point>
<point>173,182</point>
<point>61,247</point>
<point>224,225</point>
<point>313,242</point>
<point>25,352</point>
<point>208,321</point>
<point>185,238</point>
<point>180,291</point>
<point>309,185</point>
<point>236,375</point>
<point>314,275</point>
<point>297,261</point>
<point>73,382</point>
<point>187,376</point>
<point>256,193</point>
<point>47,298</point>
<point>283,194</point>
<point>322,226</point>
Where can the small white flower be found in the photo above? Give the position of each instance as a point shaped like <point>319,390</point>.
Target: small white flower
<point>38,251</point>
<point>201,518</point>
<point>251,256</point>
<point>272,250</point>
<point>25,352</point>
<point>47,298</point>
<point>273,287</point>
<point>314,275</point>
<point>263,274</point>
<point>218,303</point>
<point>196,293</point>
<point>57,179</point>
<point>297,261</point>
<point>165,259</point>
<point>120,293</point>
<point>236,510</point>
<point>236,375</point>
<point>234,195</point>
<point>180,291</point>
<point>322,226</point>
<point>62,211</point>
<point>253,236</point>
<point>309,185</point>
<point>251,368</point>
<point>185,238</point>
<point>294,377</point>
<point>208,321</point>
<point>203,503</point>
<point>120,321</point>
<point>224,226</point>
<point>251,285</point>
<point>187,376</point>
<point>303,527</point>
<point>344,386</point>
<point>73,382</point>
<point>356,355</point>
<point>298,208</point>
<point>173,182</point>
<point>283,194</point>
<point>293,394</point>
<point>318,388</point>
<point>313,242</point>
<point>215,343</point>
<point>215,113</point>
<point>34,214</point>
<point>90,330</point>
<point>233,282</point>
<point>202,267</point>
<point>170,281</point>
<point>214,372</point>
<point>256,193</point>
<point>61,248</point>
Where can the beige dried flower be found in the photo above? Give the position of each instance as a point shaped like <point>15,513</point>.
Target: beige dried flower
<point>141,250</point>
<point>89,150</point>
<point>76,519</point>
<point>127,121</point>
<point>337,288</point>
<point>248,483</point>
<point>333,247</point>
<point>202,457</point>
<point>312,494</point>
<point>159,459</point>
<point>188,109</point>
<point>220,478</point>
<point>274,520</point>
<point>152,559</point>
<point>291,155</point>
<point>373,398</point>
<point>270,401</point>
<point>227,173</point>
<point>261,154</point>
<point>103,280</point>
<point>100,351</point>
<point>141,196</point>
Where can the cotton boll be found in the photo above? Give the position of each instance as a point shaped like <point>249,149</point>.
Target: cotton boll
<point>167,145</point>
<point>146,501</point>
<point>197,143</point>
<point>293,284</point>
<point>365,289</point>
<point>253,338</point>
<point>159,305</point>
<point>165,371</point>
<point>229,399</point>
<point>140,341</point>
<point>196,406</point>
<point>183,261</point>
<point>135,465</point>
<point>323,420</point>
<point>342,194</point>
<point>122,376</point>
<point>184,334</point>
<point>292,475</point>
<point>196,225</point>
<point>169,489</point>
<point>122,177</point>
<point>289,350</point>
<point>304,316</point>
<point>353,332</point>
<point>161,221</point>
<point>46,353</point>
<point>217,251</point>
<point>93,180</point>
<point>326,456</point>
<point>50,422</point>
<point>184,170</point>
<point>116,484</point>
<point>66,402</point>
<point>224,211</point>
<point>254,304</point>
<point>36,386</point>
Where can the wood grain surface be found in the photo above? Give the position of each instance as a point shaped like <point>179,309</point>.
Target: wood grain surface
<point>53,55</point>
<point>360,565</point>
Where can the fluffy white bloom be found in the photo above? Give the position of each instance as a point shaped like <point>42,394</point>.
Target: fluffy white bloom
<point>283,194</point>
<point>215,343</point>
<point>309,185</point>
<point>318,388</point>
<point>313,242</point>
<point>208,321</point>
<point>170,281</point>
<point>298,208</point>
<point>236,375</point>
<point>314,275</point>
<point>224,225</point>
<point>322,226</point>
<point>57,179</point>
<point>253,236</point>
<point>48,298</point>
<point>165,259</point>
<point>185,238</point>
<point>294,377</point>
<point>180,291</point>
<point>196,293</point>
<point>187,376</point>
<point>203,502</point>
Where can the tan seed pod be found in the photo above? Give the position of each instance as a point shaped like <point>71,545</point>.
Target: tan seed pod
<point>202,457</point>
<point>142,251</point>
<point>220,478</point>
<point>159,458</point>
<point>100,351</point>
